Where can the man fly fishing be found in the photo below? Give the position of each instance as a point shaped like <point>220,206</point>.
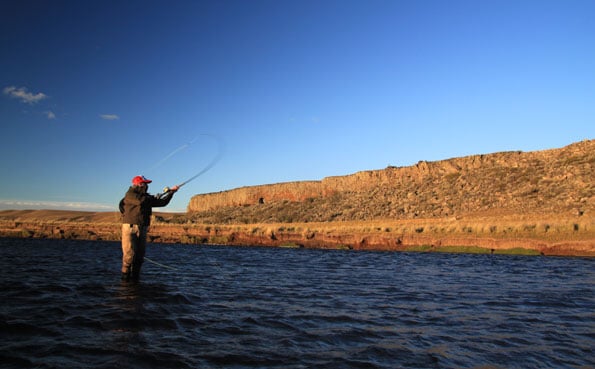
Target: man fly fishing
<point>136,208</point>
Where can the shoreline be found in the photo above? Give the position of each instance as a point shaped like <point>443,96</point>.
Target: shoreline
<point>550,235</point>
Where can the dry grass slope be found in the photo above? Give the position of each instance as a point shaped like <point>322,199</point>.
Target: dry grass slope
<point>558,181</point>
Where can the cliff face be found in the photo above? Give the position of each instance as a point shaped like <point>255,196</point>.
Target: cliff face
<point>515,182</point>
<point>290,191</point>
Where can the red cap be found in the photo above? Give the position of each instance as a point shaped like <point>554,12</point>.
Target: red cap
<point>140,180</point>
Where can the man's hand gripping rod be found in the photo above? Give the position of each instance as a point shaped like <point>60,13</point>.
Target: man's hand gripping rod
<point>170,189</point>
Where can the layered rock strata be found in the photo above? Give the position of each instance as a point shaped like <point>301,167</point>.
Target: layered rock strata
<point>518,182</point>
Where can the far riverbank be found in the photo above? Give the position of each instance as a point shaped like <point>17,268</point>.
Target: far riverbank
<point>531,235</point>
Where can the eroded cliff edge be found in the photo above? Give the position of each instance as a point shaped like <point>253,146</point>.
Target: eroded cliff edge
<point>548,181</point>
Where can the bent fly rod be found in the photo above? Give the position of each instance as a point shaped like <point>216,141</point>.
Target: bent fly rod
<point>215,160</point>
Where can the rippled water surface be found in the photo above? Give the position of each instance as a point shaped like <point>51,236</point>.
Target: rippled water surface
<point>63,306</point>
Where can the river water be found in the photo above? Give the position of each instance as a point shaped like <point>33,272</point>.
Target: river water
<point>63,306</point>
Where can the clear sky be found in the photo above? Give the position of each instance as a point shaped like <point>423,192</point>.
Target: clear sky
<point>96,92</point>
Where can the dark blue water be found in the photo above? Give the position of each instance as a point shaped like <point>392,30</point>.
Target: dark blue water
<point>63,306</point>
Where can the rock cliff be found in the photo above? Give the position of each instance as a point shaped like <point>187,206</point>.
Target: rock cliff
<point>555,180</point>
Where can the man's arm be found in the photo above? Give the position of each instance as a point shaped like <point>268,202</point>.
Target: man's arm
<point>159,201</point>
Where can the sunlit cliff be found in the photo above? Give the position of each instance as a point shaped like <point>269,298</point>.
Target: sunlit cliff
<point>555,180</point>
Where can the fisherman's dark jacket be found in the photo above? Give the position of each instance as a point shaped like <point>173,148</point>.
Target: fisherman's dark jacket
<point>137,205</point>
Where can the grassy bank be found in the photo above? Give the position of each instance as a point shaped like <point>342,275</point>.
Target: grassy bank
<point>548,234</point>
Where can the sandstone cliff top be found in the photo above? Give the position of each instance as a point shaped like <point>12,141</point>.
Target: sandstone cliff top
<point>513,182</point>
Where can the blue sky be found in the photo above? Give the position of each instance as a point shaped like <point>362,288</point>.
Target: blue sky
<point>96,92</point>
